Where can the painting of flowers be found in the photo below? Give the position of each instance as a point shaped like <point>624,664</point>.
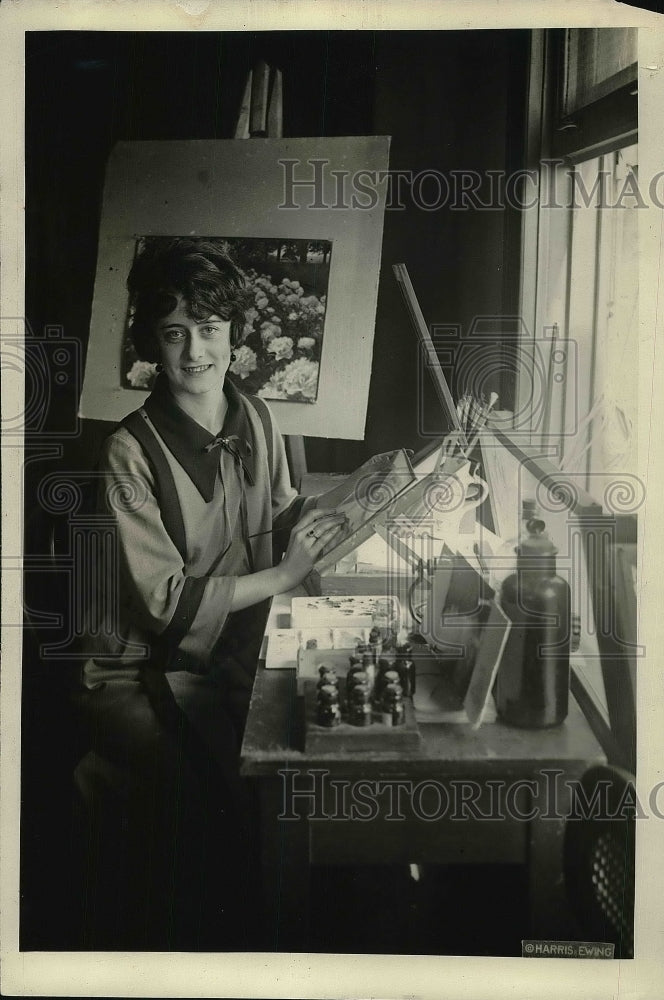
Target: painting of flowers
<point>280,353</point>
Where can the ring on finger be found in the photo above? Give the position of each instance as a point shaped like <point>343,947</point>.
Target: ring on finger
<point>312,534</point>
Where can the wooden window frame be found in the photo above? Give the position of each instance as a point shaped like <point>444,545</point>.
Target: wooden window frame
<point>602,126</point>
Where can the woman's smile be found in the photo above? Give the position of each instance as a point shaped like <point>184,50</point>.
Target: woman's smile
<point>197,370</point>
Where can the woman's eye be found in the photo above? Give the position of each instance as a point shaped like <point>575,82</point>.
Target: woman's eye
<point>210,331</point>
<point>172,336</point>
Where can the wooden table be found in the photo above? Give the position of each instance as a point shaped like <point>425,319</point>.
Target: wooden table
<point>495,795</point>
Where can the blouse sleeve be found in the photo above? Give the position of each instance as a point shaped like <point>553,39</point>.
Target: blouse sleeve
<point>154,587</point>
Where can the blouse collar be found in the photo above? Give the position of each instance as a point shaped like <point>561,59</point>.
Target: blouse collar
<point>194,447</point>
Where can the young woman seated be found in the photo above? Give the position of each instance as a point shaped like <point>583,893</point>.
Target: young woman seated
<point>197,484</point>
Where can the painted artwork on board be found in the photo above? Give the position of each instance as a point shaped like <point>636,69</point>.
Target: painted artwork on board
<point>280,353</point>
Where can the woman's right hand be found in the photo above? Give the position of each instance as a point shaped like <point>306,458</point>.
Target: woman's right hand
<point>312,533</point>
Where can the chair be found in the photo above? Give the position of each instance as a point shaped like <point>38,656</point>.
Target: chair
<point>599,858</point>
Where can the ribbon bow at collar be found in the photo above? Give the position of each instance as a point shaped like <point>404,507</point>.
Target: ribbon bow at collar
<point>239,450</point>
<point>228,443</point>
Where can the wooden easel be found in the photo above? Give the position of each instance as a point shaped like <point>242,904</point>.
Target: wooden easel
<point>261,116</point>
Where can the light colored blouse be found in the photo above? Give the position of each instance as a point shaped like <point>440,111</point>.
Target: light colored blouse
<point>229,502</point>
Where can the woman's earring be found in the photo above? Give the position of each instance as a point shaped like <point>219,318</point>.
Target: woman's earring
<point>159,367</point>
<point>233,356</point>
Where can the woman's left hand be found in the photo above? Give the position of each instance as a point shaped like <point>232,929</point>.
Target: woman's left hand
<point>309,539</point>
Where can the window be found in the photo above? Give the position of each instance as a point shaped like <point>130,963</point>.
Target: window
<point>579,303</point>
<point>579,294</point>
<point>596,311</point>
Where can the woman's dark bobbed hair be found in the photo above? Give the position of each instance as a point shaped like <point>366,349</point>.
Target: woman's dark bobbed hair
<point>197,269</point>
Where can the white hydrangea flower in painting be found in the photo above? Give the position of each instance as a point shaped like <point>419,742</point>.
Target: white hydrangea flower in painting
<point>306,343</point>
<point>298,380</point>
<point>245,361</point>
<point>271,391</point>
<point>281,347</point>
<point>269,331</point>
<point>141,374</point>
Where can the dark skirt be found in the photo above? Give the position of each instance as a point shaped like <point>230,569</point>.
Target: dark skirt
<point>170,832</point>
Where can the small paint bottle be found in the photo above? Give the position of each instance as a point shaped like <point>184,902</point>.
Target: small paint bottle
<point>385,663</point>
<point>393,712</point>
<point>328,680</point>
<point>328,712</point>
<point>358,677</point>
<point>376,644</point>
<point>325,669</point>
<point>390,676</point>
<point>327,675</point>
<point>359,712</point>
<point>355,668</point>
<point>406,668</point>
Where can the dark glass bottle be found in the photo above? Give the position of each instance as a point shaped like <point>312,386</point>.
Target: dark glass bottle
<point>328,711</point>
<point>393,712</point>
<point>532,686</point>
<point>389,677</point>
<point>406,668</point>
<point>323,670</point>
<point>354,678</point>
<point>375,643</point>
<point>359,710</point>
<point>328,680</point>
<point>385,667</point>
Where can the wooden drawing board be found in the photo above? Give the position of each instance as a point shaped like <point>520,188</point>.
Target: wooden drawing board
<point>365,497</point>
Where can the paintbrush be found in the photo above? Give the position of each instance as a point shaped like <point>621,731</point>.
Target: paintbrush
<point>480,423</point>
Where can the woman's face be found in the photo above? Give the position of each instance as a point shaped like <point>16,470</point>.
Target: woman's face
<point>195,355</point>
